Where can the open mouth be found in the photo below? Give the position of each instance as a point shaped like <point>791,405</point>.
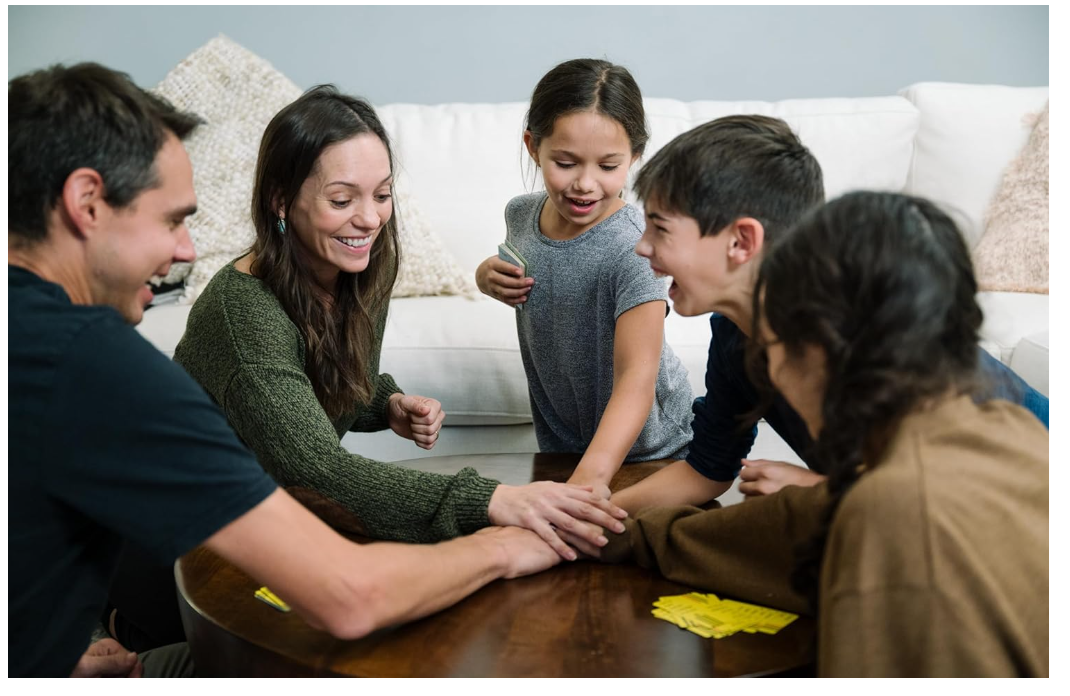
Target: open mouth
<point>356,245</point>
<point>580,206</point>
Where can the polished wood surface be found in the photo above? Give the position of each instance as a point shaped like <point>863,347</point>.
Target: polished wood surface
<point>576,620</point>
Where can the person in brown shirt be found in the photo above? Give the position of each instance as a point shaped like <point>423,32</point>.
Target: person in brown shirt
<point>925,553</point>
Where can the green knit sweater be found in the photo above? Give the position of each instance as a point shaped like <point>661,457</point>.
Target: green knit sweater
<point>247,354</point>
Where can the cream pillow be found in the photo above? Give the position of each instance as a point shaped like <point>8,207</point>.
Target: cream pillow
<point>237,93</point>
<point>1012,255</point>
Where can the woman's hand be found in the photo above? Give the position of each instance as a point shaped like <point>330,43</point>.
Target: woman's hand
<point>503,281</point>
<point>765,477</point>
<point>545,507</point>
<point>417,418</point>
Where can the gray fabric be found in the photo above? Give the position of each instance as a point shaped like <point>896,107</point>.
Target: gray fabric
<point>566,331</point>
<point>168,662</point>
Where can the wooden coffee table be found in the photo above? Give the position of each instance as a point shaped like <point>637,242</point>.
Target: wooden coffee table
<point>581,619</point>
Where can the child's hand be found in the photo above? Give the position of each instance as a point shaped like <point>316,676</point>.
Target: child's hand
<point>765,477</point>
<point>503,281</point>
<point>597,487</point>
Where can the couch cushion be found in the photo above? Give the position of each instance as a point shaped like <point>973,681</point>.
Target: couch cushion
<point>466,161</point>
<point>1013,252</point>
<point>465,353</point>
<point>968,135</point>
<point>1010,316</point>
<point>1030,361</point>
<point>164,325</point>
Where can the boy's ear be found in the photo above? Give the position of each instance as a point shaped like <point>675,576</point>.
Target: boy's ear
<point>529,143</point>
<point>82,200</point>
<point>748,240</point>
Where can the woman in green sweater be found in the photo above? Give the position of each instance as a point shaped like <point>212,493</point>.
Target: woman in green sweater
<point>925,553</point>
<point>286,339</point>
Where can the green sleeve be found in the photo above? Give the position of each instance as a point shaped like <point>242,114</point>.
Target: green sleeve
<point>275,411</point>
<point>744,551</point>
<point>374,417</point>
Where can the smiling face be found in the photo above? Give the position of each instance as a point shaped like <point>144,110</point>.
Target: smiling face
<point>144,238</point>
<point>585,163</point>
<point>342,207</point>
<point>698,264</point>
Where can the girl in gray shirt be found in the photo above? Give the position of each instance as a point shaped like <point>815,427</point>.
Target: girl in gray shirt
<point>601,379</point>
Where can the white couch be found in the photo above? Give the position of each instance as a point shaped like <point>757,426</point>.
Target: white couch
<point>463,163</point>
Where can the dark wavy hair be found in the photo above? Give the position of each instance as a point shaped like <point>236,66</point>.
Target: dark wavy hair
<point>339,331</point>
<point>86,115</point>
<point>588,84</point>
<point>883,284</point>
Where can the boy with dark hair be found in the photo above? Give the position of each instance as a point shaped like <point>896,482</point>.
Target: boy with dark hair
<point>715,197</point>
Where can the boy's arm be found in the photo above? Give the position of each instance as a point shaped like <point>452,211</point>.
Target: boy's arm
<point>351,590</point>
<point>676,484</point>
<point>637,343</point>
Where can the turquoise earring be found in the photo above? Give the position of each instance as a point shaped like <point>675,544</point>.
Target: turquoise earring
<point>282,226</point>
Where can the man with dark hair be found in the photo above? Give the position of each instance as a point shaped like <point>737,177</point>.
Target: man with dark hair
<point>715,197</point>
<point>100,187</point>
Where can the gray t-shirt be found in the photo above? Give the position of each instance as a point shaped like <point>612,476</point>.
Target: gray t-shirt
<point>567,325</point>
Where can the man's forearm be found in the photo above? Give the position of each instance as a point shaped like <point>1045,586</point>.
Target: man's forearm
<point>349,589</point>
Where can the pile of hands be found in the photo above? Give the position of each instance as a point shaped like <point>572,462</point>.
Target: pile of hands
<point>539,524</point>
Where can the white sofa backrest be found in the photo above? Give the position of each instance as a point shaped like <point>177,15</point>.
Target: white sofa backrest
<point>463,162</point>
<point>967,137</point>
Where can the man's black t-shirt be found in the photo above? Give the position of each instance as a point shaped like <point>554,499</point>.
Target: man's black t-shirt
<point>108,441</point>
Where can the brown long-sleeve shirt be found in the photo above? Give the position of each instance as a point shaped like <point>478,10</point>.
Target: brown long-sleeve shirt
<point>936,563</point>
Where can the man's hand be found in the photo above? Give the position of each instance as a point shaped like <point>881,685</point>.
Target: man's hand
<point>550,509</point>
<point>503,281</point>
<point>765,477</point>
<point>107,658</point>
<point>417,418</point>
<point>524,552</point>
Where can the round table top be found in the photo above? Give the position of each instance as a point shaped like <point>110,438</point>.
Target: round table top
<point>575,620</point>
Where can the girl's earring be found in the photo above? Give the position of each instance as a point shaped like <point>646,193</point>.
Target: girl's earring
<point>282,226</point>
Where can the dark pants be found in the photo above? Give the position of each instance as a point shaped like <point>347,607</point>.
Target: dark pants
<point>144,594</point>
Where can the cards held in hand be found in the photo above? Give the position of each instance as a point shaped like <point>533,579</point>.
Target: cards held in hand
<point>508,253</point>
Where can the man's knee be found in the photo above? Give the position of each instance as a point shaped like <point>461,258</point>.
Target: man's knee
<point>168,661</point>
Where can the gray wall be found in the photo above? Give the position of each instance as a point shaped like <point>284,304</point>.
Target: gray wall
<point>469,54</point>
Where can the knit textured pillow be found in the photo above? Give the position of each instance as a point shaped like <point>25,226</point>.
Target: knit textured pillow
<point>1012,255</point>
<point>237,93</point>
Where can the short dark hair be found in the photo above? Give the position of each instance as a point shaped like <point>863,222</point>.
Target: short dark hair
<point>85,115</point>
<point>733,167</point>
<point>588,84</point>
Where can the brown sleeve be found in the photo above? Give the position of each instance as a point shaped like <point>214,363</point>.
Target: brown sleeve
<point>744,551</point>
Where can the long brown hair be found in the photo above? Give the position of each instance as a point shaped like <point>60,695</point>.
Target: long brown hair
<point>339,331</point>
<point>883,283</point>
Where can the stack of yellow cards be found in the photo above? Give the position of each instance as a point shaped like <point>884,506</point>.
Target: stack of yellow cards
<point>710,617</point>
<point>268,597</point>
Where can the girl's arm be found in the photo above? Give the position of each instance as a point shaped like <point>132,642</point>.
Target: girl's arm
<point>637,343</point>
